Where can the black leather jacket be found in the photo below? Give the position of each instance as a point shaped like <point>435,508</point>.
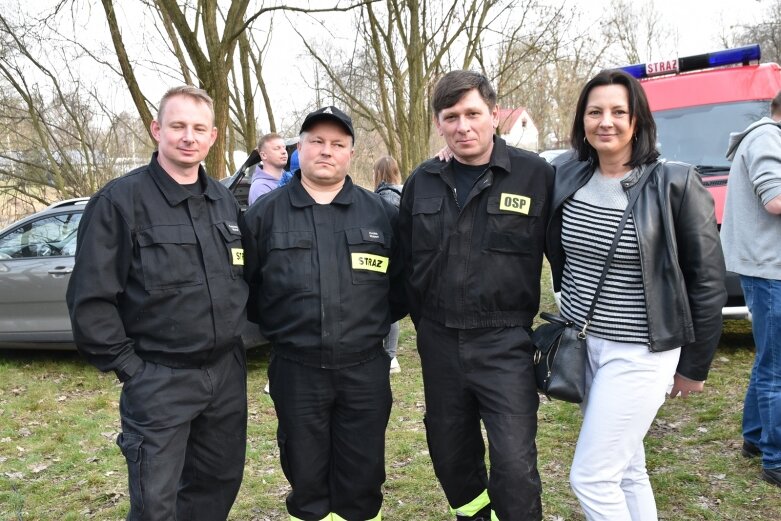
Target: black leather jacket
<point>680,256</point>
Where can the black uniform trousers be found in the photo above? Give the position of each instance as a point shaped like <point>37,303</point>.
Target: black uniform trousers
<point>331,436</point>
<point>474,374</point>
<point>184,434</point>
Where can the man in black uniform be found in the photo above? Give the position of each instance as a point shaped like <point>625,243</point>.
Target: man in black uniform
<point>157,296</point>
<point>324,270</point>
<point>473,230</point>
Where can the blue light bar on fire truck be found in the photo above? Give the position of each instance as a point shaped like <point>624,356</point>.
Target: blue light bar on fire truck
<point>738,55</point>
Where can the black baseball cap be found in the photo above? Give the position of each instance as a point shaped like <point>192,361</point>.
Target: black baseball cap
<point>328,113</point>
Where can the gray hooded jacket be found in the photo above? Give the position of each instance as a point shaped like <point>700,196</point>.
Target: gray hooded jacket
<point>750,235</point>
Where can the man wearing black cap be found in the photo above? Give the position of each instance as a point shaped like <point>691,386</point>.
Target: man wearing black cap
<point>324,270</point>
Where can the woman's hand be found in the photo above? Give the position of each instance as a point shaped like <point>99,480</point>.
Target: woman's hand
<point>445,154</point>
<point>684,386</point>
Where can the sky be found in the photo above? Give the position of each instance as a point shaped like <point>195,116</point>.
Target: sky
<point>697,24</point>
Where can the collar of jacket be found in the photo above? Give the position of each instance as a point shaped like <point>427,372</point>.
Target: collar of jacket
<point>636,174</point>
<point>300,198</point>
<point>173,191</point>
<point>500,159</point>
<point>572,175</point>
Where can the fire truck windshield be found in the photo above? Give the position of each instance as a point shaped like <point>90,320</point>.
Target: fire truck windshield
<point>700,135</point>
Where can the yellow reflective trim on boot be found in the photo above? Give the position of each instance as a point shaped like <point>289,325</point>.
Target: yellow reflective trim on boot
<point>326,518</point>
<point>474,506</point>
<point>337,517</point>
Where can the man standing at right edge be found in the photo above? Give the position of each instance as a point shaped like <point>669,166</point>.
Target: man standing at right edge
<point>473,233</point>
<point>751,235</point>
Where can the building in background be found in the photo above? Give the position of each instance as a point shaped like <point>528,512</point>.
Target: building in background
<point>518,129</point>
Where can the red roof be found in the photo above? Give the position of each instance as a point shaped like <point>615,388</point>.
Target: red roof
<point>508,118</point>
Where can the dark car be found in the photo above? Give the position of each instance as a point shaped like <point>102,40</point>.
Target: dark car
<point>36,260</point>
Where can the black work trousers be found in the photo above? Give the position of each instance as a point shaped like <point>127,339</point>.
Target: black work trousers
<point>474,374</point>
<point>184,434</point>
<point>331,436</point>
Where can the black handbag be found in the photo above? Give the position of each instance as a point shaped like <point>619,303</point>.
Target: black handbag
<point>560,345</point>
<point>560,359</point>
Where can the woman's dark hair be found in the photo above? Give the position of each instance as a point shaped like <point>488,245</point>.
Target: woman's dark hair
<point>644,141</point>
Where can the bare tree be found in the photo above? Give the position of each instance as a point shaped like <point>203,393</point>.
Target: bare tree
<point>58,131</point>
<point>204,41</point>
<point>545,71</point>
<point>766,32</point>
<point>640,32</point>
<point>401,47</point>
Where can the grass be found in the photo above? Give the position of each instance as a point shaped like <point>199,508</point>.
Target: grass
<point>59,420</point>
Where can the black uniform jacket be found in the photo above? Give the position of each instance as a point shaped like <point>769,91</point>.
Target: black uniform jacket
<point>325,279</point>
<point>158,273</point>
<point>680,257</point>
<point>478,266</point>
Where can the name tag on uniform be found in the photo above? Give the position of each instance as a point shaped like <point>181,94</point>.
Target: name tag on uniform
<point>515,203</point>
<point>367,261</point>
<point>237,256</point>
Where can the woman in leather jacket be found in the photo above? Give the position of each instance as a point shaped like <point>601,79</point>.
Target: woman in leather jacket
<point>658,315</point>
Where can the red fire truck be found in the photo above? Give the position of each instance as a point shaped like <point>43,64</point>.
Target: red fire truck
<point>697,101</point>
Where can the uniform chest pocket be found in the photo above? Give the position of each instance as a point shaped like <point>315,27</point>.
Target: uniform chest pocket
<point>288,266</point>
<point>369,250</point>
<point>231,237</point>
<point>426,223</point>
<point>169,256</point>
<point>511,223</point>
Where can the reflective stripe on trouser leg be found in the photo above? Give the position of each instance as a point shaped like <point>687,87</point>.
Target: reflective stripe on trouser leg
<point>337,517</point>
<point>486,374</point>
<point>474,506</point>
<point>326,518</point>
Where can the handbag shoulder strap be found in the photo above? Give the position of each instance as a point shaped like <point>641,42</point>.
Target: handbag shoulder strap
<point>636,193</point>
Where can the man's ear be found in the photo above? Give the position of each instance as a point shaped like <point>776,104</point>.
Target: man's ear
<point>155,128</point>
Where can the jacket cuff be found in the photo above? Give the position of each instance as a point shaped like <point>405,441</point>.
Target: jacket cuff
<point>126,371</point>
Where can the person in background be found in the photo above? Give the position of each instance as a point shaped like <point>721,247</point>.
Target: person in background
<point>157,296</point>
<point>387,183</point>
<point>473,231</point>
<point>751,235</point>
<point>294,165</point>
<point>326,281</point>
<point>273,157</point>
<point>658,316</point>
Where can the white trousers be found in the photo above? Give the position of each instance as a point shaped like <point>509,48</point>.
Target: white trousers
<point>625,387</point>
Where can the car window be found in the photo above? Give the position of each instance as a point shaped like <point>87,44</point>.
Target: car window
<point>51,236</point>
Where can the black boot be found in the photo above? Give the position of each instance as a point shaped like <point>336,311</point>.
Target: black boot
<point>483,515</point>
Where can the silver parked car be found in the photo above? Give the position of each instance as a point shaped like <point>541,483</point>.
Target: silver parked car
<point>36,259</point>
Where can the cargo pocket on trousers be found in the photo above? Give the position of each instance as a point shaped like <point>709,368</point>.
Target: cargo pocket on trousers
<point>130,445</point>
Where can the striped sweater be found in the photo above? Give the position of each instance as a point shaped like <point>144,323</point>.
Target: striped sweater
<point>590,221</point>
